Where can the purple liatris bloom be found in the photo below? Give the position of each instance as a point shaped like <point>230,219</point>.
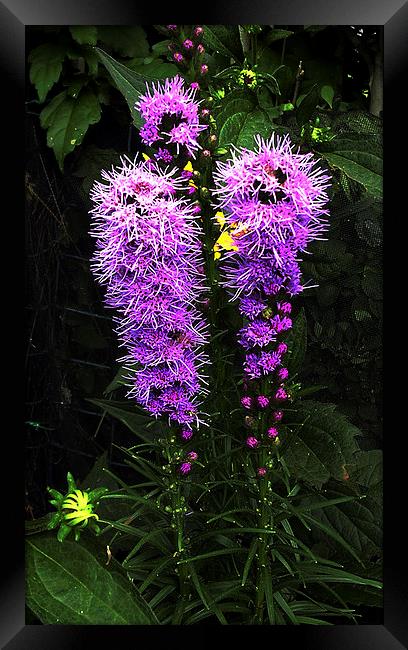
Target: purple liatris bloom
<point>273,199</point>
<point>252,442</point>
<point>148,256</point>
<point>192,455</point>
<point>261,471</point>
<point>171,115</point>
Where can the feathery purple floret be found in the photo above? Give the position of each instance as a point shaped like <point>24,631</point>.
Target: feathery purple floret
<point>171,116</point>
<point>148,256</point>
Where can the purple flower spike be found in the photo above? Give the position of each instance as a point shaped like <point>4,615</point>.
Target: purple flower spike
<point>252,442</point>
<point>277,416</point>
<point>261,471</point>
<point>192,455</point>
<point>186,434</point>
<point>148,256</point>
<point>177,56</point>
<point>171,103</point>
<point>188,44</point>
<point>185,468</point>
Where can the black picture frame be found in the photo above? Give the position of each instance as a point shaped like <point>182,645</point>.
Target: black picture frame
<point>15,15</point>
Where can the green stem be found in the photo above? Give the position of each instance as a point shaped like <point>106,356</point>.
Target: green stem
<point>178,518</point>
<point>264,522</point>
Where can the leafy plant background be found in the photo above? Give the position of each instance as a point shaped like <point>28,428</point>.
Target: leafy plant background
<point>79,122</point>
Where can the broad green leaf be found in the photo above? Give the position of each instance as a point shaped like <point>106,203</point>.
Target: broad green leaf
<point>278,35</point>
<point>327,93</point>
<point>136,422</point>
<point>84,34</point>
<point>238,102</point>
<point>354,165</point>
<point>240,128</point>
<point>69,584</point>
<point>358,523</point>
<point>131,84</point>
<point>91,162</point>
<point>223,39</point>
<point>319,444</point>
<point>367,470</point>
<point>127,40</point>
<point>67,120</point>
<point>156,69</point>
<point>45,67</point>
<point>38,525</point>
<point>372,282</point>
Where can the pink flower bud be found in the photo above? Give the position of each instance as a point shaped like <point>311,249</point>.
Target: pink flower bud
<point>185,468</point>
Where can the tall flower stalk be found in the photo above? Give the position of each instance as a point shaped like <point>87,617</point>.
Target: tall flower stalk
<point>273,201</point>
<point>146,221</point>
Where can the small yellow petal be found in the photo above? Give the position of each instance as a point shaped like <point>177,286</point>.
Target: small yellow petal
<point>226,241</point>
<point>220,218</point>
<point>217,256</point>
<point>145,156</point>
<point>188,167</point>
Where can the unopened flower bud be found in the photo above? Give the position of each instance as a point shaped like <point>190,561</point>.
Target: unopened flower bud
<point>281,395</point>
<point>272,432</point>
<point>246,402</point>
<point>185,468</point>
<point>283,374</point>
<point>282,348</point>
<point>204,69</point>
<point>186,434</point>
<point>262,401</point>
<point>277,415</point>
<point>261,471</point>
